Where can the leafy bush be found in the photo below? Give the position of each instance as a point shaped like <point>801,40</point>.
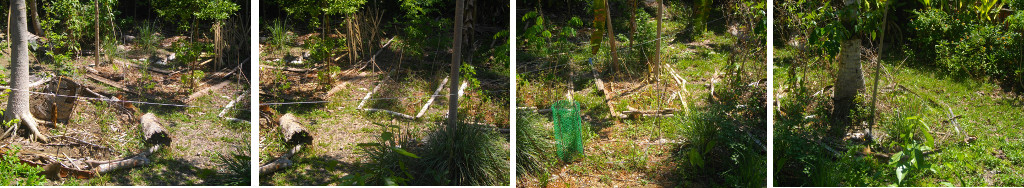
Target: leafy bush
<point>325,78</point>
<point>15,173</point>
<point>389,163</point>
<point>533,144</point>
<point>322,49</point>
<point>968,47</point>
<point>190,10</point>
<point>312,10</point>
<point>463,155</point>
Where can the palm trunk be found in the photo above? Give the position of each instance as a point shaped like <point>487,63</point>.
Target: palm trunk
<point>850,80</point>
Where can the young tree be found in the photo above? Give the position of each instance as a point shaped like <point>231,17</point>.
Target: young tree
<point>18,101</point>
<point>850,80</point>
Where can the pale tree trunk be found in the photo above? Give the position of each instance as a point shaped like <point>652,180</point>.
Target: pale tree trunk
<point>850,79</point>
<point>453,99</point>
<point>18,101</point>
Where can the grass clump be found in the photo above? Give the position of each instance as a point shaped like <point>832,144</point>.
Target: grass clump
<point>533,144</point>
<point>464,155</point>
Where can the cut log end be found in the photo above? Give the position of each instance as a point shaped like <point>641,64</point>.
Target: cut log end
<point>293,132</point>
<point>152,130</point>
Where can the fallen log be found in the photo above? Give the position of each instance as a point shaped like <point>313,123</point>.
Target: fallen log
<point>153,132</point>
<point>206,90</point>
<point>607,95</point>
<point>668,112</point>
<point>293,132</point>
<point>291,69</point>
<point>281,162</point>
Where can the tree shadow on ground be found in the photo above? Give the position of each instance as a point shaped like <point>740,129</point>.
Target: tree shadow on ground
<point>320,171</point>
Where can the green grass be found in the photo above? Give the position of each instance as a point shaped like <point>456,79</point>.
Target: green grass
<point>985,111</point>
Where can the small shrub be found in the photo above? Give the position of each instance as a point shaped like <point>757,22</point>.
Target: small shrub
<point>149,37</point>
<point>322,49</point>
<point>325,78</point>
<point>191,80</point>
<point>389,163</point>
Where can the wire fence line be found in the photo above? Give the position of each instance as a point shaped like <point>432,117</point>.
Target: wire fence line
<point>368,99</point>
<point>115,99</point>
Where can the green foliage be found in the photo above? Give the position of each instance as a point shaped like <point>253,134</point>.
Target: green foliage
<point>323,49</point>
<point>533,144</point>
<point>15,173</point>
<point>238,170</point>
<point>970,48</point>
<point>179,10</point>
<point>279,36</point>
<point>535,37</point>
<point>417,8</point>
<point>463,155</point>
<point>148,39</point>
<point>325,78</point>
<point>72,23</point>
<point>312,10</point>
<point>191,80</point>
<point>389,163</point>
<point>188,53</point>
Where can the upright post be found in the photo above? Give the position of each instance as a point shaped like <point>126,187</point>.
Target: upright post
<point>453,93</point>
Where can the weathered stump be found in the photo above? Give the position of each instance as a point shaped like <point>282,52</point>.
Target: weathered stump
<point>152,130</point>
<point>56,108</point>
<point>293,132</point>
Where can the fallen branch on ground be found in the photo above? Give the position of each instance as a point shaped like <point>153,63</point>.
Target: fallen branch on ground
<point>281,162</point>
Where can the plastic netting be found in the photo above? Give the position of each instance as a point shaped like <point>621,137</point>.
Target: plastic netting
<point>568,135</point>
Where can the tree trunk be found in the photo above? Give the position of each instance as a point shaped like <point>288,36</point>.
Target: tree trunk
<point>611,34</point>
<point>657,48</point>
<point>97,21</point>
<point>218,44</point>
<point>18,101</point>
<point>35,18</point>
<point>453,101</point>
<point>850,80</point>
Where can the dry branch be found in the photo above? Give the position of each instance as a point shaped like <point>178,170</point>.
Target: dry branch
<point>206,90</point>
<point>363,102</point>
<point>232,104</point>
<point>389,112</point>
<point>281,162</point>
<point>431,100</point>
<point>293,132</point>
<point>135,161</point>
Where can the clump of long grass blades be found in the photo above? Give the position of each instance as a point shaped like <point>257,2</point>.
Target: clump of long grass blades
<point>464,155</point>
<point>533,144</point>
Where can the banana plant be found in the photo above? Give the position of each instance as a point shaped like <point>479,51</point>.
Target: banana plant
<point>600,18</point>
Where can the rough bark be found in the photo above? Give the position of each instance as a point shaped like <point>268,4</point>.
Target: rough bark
<point>293,132</point>
<point>18,101</point>
<point>850,79</point>
<point>153,132</point>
